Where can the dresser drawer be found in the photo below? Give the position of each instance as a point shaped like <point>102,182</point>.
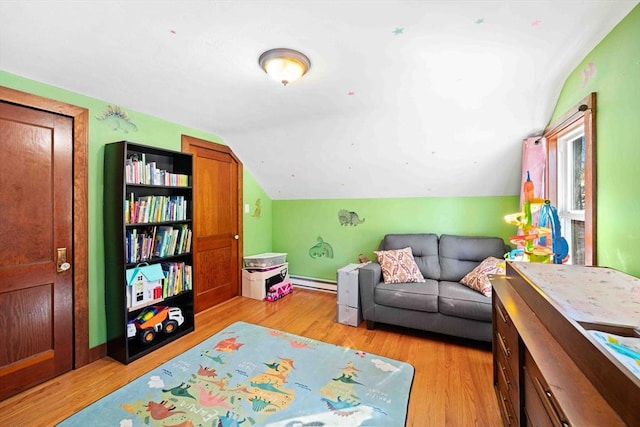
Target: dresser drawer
<point>506,337</point>
<point>508,414</point>
<point>540,406</point>
<point>534,410</point>
<point>507,382</point>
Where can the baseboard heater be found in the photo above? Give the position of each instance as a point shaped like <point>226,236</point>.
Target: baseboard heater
<point>314,283</point>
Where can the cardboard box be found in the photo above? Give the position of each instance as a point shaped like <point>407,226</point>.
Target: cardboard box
<point>255,282</point>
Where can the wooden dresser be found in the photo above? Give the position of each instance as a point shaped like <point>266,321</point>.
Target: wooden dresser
<point>548,369</point>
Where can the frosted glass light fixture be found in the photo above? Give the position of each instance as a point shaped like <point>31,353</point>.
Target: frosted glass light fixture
<point>284,65</point>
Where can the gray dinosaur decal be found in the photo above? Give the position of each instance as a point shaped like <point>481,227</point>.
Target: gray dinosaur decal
<point>349,218</point>
<point>321,249</point>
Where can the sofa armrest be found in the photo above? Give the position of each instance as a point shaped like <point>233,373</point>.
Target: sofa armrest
<point>368,278</point>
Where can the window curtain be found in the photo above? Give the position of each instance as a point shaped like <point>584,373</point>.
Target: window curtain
<point>534,161</point>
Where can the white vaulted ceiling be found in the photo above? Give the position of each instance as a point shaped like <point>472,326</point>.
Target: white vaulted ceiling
<point>404,98</point>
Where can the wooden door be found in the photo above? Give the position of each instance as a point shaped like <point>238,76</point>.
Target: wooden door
<point>217,222</point>
<point>36,197</point>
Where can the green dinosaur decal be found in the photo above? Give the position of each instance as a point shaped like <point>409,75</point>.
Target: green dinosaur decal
<point>321,249</point>
<point>257,210</point>
<point>117,119</point>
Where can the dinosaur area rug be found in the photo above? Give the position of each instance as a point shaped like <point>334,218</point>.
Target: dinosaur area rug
<point>248,375</point>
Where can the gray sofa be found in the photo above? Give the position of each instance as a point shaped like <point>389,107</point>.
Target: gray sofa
<point>441,304</point>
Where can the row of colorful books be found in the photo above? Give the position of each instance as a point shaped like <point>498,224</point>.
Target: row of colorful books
<point>154,209</point>
<point>178,277</point>
<point>138,171</point>
<point>157,242</point>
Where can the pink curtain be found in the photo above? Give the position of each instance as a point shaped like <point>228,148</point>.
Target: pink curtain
<point>534,160</point>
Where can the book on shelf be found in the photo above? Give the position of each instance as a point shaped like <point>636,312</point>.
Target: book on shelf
<point>157,242</point>
<point>178,278</point>
<point>138,171</point>
<point>165,233</point>
<point>144,209</point>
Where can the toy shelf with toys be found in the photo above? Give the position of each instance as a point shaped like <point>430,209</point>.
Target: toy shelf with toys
<point>148,208</point>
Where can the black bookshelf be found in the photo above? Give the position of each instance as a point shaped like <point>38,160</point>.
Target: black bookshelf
<point>132,241</point>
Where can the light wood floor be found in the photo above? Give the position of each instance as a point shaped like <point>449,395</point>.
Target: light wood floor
<point>451,387</point>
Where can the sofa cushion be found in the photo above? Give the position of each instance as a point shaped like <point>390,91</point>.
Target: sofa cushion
<point>424,247</point>
<point>398,266</point>
<point>459,301</point>
<point>460,254</point>
<point>412,296</point>
<point>478,280</point>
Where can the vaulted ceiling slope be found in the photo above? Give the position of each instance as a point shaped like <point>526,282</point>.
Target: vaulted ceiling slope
<point>403,99</point>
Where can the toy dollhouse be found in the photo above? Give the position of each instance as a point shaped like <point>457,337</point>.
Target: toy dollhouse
<point>144,284</point>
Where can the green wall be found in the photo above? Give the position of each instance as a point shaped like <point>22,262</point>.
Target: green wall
<point>298,223</point>
<point>150,131</point>
<point>256,222</point>
<point>617,85</point>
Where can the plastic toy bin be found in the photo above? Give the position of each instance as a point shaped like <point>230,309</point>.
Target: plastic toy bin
<point>265,260</point>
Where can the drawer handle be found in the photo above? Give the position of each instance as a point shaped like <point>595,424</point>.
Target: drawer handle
<point>502,315</point>
<point>552,400</point>
<point>505,410</point>
<point>551,403</point>
<point>503,370</point>
<point>503,345</point>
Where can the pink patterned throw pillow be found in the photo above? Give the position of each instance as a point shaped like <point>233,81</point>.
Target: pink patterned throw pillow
<point>398,266</point>
<point>477,278</point>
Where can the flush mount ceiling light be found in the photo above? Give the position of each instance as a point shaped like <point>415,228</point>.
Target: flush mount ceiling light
<point>284,65</point>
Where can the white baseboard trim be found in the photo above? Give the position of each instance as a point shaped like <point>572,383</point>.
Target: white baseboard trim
<point>314,284</point>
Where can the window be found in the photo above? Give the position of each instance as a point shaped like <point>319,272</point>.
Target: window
<point>571,192</point>
<point>571,179</point>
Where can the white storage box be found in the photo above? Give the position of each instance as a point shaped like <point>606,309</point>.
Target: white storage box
<point>269,259</point>
<point>348,307</point>
<point>351,316</point>
<point>256,282</point>
<point>348,285</point>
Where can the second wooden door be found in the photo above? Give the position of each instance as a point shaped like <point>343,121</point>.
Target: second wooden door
<point>217,194</point>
